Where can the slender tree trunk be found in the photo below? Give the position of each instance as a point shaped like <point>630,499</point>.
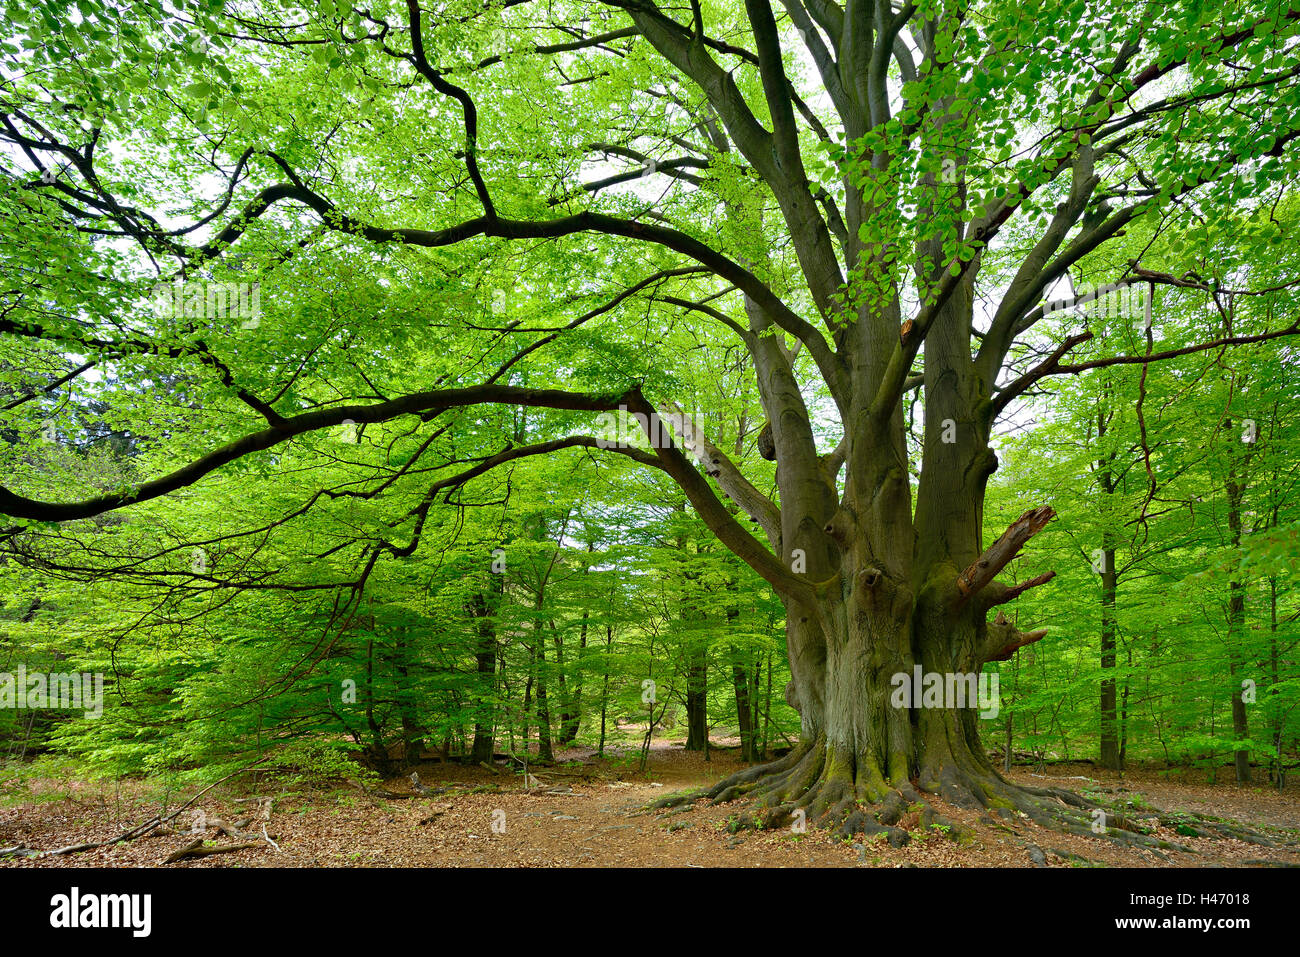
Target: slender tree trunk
<point>1235,486</point>
<point>545,755</point>
<point>1110,750</point>
<point>604,689</point>
<point>561,682</point>
<point>1007,743</point>
<point>767,710</point>
<point>697,700</point>
<point>1236,636</point>
<point>744,711</point>
<point>378,752</point>
<point>412,731</point>
<point>571,720</point>
<point>1110,757</point>
<point>1275,677</point>
<point>525,737</point>
<point>485,659</point>
<point>1123,711</point>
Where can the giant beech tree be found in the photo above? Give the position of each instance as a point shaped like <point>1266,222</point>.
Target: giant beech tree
<point>872,202</point>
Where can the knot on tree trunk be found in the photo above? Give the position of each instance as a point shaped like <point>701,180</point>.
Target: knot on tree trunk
<point>985,464</point>
<point>840,527</point>
<point>766,443</point>
<point>880,596</point>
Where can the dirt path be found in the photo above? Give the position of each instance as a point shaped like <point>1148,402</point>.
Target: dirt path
<point>600,820</point>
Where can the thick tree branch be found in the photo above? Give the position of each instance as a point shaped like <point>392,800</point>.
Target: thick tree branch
<point>716,516</point>
<point>427,404</point>
<point>728,476</point>
<point>996,557</point>
<point>461,96</point>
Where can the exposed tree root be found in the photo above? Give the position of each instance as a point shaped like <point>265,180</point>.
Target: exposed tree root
<point>816,785</point>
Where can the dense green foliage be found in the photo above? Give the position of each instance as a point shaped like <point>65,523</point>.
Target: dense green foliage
<point>383,588</point>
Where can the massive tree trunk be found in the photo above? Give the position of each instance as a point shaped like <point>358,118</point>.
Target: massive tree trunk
<point>895,592</point>
<point>862,758</point>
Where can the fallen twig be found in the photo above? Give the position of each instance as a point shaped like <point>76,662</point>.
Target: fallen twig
<point>154,822</point>
<point>196,849</point>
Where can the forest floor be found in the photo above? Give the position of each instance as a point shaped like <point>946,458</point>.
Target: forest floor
<point>592,813</point>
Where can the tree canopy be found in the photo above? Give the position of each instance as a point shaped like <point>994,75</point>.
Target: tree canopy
<point>442,373</point>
